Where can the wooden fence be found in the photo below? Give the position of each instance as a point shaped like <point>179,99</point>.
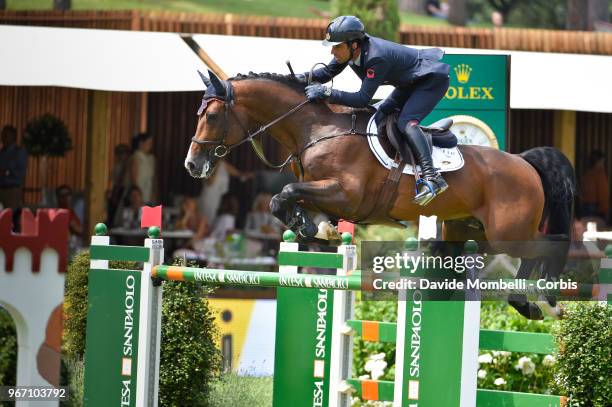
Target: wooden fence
<point>289,27</point>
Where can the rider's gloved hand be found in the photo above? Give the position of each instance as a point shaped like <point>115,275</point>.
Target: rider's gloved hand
<point>317,91</point>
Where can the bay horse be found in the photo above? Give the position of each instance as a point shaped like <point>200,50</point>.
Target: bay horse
<point>516,198</point>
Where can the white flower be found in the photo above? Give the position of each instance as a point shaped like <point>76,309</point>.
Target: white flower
<point>486,358</point>
<point>376,366</point>
<point>525,365</point>
<point>501,353</point>
<point>482,374</point>
<point>549,360</point>
<point>499,382</point>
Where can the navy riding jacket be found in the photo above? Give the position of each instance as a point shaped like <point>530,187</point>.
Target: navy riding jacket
<point>383,62</point>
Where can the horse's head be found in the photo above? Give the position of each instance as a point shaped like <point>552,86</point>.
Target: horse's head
<point>215,133</point>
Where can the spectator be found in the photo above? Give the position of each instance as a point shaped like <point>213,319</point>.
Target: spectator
<point>225,221</point>
<point>63,195</point>
<point>132,211</point>
<point>13,163</point>
<point>193,220</point>
<point>142,167</point>
<point>216,186</point>
<point>260,220</point>
<point>497,19</point>
<point>436,9</point>
<point>595,194</point>
<point>119,182</point>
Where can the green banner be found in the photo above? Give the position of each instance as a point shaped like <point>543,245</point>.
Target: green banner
<point>112,338</point>
<point>478,98</point>
<point>303,331</point>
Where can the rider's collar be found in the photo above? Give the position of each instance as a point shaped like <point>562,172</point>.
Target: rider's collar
<point>357,60</point>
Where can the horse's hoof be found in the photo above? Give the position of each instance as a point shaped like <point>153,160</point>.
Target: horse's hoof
<point>527,309</point>
<point>308,229</point>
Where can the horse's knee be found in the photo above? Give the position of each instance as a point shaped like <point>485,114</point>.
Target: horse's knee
<point>276,205</point>
<point>289,191</point>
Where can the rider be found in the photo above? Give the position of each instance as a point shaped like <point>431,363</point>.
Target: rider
<point>419,78</point>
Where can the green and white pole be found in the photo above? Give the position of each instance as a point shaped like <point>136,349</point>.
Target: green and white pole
<point>341,353</point>
<point>149,337</point>
<point>437,348</point>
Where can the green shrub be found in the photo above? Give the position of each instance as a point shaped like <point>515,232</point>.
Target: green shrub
<point>47,136</point>
<point>234,390</point>
<point>380,17</point>
<point>189,360</point>
<point>513,371</point>
<point>8,350</point>
<point>584,357</point>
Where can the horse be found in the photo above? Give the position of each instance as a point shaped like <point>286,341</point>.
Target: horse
<point>516,198</point>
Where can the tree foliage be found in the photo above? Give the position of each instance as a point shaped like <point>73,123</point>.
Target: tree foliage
<point>380,17</point>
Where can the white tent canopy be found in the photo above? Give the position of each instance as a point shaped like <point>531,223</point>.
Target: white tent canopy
<point>146,61</point>
<point>97,59</point>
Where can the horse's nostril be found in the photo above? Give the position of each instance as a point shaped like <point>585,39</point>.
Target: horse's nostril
<point>190,165</point>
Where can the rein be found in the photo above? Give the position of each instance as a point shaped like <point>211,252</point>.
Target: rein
<point>222,149</point>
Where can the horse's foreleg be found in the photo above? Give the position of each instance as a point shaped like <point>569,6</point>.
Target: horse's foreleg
<point>323,195</point>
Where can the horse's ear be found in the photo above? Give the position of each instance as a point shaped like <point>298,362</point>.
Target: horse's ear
<point>204,79</point>
<point>217,84</point>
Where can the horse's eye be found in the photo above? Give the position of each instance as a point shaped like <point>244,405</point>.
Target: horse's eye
<point>211,116</point>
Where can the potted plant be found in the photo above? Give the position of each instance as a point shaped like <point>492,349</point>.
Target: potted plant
<point>46,136</point>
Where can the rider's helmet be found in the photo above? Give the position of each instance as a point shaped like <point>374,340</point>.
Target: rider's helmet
<point>344,29</point>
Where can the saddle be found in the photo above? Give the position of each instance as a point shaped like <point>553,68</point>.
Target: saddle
<point>438,134</point>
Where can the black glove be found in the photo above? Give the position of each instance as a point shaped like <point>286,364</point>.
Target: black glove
<point>317,91</point>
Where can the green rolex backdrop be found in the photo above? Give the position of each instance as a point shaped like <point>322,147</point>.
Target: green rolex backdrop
<point>479,93</point>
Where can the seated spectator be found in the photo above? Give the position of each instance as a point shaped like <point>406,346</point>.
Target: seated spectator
<point>192,219</point>
<point>225,222</point>
<point>437,10</point>
<point>63,195</point>
<point>260,219</point>
<point>132,211</point>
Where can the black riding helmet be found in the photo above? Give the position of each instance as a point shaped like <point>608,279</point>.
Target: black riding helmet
<point>344,29</point>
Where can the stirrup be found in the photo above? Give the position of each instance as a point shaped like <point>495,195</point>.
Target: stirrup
<point>432,188</point>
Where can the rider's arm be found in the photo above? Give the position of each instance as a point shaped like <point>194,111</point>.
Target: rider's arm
<point>325,74</point>
<point>376,70</point>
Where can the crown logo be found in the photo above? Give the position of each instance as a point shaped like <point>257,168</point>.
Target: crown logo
<point>463,72</point>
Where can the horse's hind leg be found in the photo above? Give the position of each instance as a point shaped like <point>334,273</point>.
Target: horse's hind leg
<point>325,195</point>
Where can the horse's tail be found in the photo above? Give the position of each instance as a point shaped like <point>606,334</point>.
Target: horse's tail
<point>559,182</point>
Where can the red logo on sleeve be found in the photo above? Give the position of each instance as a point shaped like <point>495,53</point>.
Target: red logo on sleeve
<point>370,73</point>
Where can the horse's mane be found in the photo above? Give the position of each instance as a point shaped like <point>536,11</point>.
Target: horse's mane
<point>296,85</point>
<point>288,80</point>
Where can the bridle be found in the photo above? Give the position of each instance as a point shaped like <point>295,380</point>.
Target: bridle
<point>222,148</point>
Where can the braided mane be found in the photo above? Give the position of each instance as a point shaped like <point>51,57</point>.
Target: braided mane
<point>284,79</point>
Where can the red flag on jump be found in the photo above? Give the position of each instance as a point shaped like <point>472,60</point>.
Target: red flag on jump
<point>345,226</point>
<point>151,216</point>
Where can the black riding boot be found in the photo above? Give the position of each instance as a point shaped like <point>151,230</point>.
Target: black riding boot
<point>431,183</point>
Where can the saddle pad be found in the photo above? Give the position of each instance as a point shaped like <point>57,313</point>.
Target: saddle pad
<point>444,159</point>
